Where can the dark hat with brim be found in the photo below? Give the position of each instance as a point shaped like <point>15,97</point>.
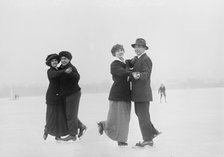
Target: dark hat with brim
<point>140,42</point>
<point>50,57</point>
<point>65,54</point>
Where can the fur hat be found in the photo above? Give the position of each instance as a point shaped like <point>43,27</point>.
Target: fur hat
<point>115,48</point>
<point>140,42</point>
<point>65,54</point>
<point>50,57</point>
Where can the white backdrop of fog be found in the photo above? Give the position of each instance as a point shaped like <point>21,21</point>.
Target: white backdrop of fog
<point>185,38</point>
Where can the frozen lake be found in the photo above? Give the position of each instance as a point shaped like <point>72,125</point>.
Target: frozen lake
<point>191,121</point>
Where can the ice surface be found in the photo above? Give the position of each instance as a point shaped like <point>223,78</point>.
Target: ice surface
<point>191,122</point>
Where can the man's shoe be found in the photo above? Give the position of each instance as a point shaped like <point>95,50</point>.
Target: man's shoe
<point>145,143</point>
<point>100,128</point>
<point>69,138</point>
<point>82,130</point>
<point>122,143</point>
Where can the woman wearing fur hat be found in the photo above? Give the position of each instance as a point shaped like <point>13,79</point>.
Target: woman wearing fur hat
<point>55,115</point>
<point>116,126</point>
<point>71,92</point>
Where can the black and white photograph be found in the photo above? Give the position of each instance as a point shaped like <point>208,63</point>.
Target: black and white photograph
<point>112,78</point>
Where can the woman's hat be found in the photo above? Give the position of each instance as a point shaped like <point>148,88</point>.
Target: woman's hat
<point>115,48</point>
<point>50,57</point>
<point>65,54</point>
<point>140,42</point>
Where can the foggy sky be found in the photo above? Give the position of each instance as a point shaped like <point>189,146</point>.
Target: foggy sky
<point>185,38</point>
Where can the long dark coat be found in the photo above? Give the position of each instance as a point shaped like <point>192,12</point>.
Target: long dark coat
<point>141,89</point>
<point>120,90</point>
<point>56,123</point>
<point>53,92</point>
<point>69,82</point>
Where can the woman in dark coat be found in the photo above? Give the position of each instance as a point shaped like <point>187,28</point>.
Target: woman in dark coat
<point>55,115</point>
<point>116,126</point>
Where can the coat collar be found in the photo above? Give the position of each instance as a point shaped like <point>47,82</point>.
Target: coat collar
<point>143,54</point>
<point>117,59</point>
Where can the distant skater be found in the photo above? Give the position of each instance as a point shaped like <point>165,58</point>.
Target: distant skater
<point>116,127</point>
<point>162,92</point>
<point>16,96</point>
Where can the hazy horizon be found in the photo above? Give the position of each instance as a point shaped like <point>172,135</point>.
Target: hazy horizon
<point>185,38</point>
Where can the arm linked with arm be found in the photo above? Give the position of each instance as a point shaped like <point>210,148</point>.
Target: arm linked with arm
<point>54,73</point>
<point>120,71</point>
<point>131,62</point>
<point>74,74</point>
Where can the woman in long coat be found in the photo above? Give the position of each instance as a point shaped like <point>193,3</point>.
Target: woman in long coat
<point>116,126</point>
<point>56,124</point>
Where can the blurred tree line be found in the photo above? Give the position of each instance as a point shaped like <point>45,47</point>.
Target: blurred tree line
<point>104,87</point>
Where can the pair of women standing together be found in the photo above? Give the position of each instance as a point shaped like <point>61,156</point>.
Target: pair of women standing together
<point>62,98</point>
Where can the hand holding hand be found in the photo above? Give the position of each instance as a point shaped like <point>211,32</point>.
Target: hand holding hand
<point>136,75</point>
<point>68,70</point>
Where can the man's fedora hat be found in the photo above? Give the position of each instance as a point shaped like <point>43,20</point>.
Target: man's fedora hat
<point>140,42</point>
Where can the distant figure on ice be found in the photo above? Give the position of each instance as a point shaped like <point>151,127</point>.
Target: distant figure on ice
<point>12,95</point>
<point>162,92</point>
<point>141,92</point>
<point>16,96</point>
<point>116,127</point>
<point>56,124</point>
<point>71,93</point>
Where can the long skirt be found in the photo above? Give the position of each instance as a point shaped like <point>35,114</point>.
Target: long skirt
<point>56,123</point>
<point>116,126</point>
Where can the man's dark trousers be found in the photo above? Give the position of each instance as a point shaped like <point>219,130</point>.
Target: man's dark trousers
<point>146,126</point>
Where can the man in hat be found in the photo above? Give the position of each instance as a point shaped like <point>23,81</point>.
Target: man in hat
<point>142,93</point>
<point>70,90</point>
